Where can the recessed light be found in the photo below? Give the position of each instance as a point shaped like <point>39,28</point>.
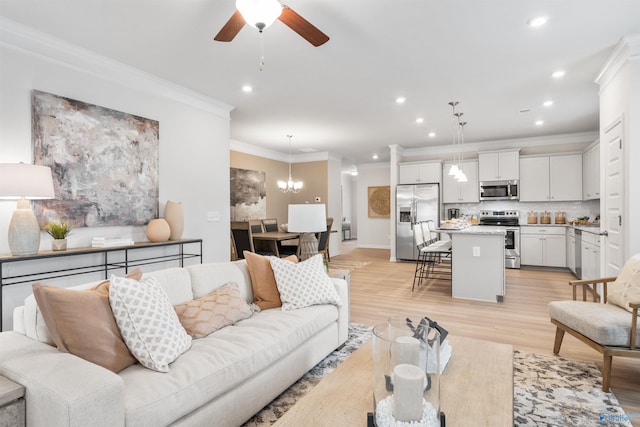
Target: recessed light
<point>558,74</point>
<point>538,21</point>
<point>432,134</point>
<point>247,88</point>
<point>419,120</point>
<point>401,100</point>
<point>539,122</point>
<point>374,157</point>
<point>548,103</point>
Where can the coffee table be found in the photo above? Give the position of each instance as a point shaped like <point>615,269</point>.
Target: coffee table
<point>476,389</point>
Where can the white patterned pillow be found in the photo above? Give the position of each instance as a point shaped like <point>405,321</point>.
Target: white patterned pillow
<point>303,284</point>
<point>147,321</point>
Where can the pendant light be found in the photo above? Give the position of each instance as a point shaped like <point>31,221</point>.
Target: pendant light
<point>290,186</point>
<point>457,132</point>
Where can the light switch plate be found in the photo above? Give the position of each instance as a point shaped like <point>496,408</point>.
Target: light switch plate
<point>213,216</point>
<point>476,251</point>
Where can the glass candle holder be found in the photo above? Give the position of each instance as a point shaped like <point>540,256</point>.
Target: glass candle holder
<point>406,373</point>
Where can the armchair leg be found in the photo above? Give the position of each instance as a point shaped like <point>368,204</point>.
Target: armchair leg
<point>606,372</point>
<point>558,341</point>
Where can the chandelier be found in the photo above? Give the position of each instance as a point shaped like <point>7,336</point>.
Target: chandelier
<point>290,186</point>
<point>458,141</point>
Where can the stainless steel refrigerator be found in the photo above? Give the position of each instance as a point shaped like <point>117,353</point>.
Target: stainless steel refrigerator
<point>414,203</point>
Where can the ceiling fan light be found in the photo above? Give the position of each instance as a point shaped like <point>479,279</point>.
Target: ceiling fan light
<point>259,13</point>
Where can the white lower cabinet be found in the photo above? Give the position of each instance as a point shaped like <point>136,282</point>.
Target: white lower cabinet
<point>590,254</point>
<point>543,246</point>
<point>571,250</point>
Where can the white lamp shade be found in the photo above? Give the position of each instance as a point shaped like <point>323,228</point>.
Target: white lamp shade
<point>307,218</point>
<point>19,180</point>
<point>257,12</point>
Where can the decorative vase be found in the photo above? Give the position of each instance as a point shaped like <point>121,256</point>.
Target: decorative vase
<point>59,245</point>
<point>174,214</point>
<point>406,375</point>
<point>158,230</point>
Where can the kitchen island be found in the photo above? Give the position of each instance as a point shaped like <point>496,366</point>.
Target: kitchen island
<point>477,262</point>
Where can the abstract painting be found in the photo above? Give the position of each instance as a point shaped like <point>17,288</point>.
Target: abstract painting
<point>248,194</point>
<point>379,202</point>
<point>104,162</point>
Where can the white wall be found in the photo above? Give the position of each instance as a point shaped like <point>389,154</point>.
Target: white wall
<point>334,205</point>
<point>348,201</point>
<point>372,232</point>
<point>194,134</point>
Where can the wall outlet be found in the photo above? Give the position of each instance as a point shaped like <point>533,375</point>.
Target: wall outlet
<point>213,216</point>
<point>476,251</point>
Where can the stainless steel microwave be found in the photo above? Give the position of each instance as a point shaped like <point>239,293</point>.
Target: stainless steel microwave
<point>499,190</point>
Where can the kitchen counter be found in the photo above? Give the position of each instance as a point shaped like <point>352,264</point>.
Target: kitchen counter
<point>593,229</point>
<point>474,229</point>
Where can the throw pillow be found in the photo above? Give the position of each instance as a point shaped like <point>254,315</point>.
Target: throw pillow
<point>263,283</point>
<point>304,284</point>
<point>80,322</point>
<point>222,307</point>
<point>626,288</point>
<point>147,321</point>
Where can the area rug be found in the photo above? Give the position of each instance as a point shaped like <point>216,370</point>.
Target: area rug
<point>548,391</point>
<point>348,265</point>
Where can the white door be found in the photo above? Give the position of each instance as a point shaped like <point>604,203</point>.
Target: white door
<point>614,202</point>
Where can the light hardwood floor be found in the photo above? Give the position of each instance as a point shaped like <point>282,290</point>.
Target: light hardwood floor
<point>383,289</point>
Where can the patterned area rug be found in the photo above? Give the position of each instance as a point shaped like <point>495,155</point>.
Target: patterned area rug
<point>348,265</point>
<point>548,391</point>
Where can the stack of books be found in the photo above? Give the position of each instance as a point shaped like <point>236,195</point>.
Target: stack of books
<point>108,242</point>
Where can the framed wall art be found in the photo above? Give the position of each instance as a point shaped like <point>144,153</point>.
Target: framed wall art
<point>379,202</point>
<point>104,162</point>
<point>248,194</point>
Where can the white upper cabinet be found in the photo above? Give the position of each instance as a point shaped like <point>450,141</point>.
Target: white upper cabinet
<point>461,192</point>
<point>591,173</point>
<point>551,178</point>
<point>499,165</point>
<point>420,173</point>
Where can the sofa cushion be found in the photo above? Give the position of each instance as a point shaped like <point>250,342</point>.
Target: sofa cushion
<point>626,288</point>
<point>206,278</point>
<point>218,363</point>
<point>304,284</point>
<point>222,307</point>
<point>80,322</point>
<point>263,282</point>
<point>147,321</point>
<point>176,282</point>
<point>605,324</point>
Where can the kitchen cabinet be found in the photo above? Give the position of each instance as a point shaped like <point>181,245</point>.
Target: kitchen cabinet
<point>461,192</point>
<point>543,246</point>
<point>499,165</point>
<point>591,173</point>
<point>571,250</point>
<point>590,254</point>
<point>420,173</point>
<point>551,178</point>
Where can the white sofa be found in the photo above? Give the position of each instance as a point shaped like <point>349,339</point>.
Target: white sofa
<point>222,380</point>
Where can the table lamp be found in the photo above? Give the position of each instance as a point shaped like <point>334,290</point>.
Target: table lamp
<point>307,219</point>
<point>23,182</point>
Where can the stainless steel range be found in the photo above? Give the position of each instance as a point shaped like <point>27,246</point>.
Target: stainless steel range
<point>510,222</point>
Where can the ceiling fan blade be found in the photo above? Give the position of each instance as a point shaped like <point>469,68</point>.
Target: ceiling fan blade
<point>231,28</point>
<point>303,27</point>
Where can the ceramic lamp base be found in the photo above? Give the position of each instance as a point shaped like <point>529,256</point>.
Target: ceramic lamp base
<point>308,246</point>
<point>24,231</point>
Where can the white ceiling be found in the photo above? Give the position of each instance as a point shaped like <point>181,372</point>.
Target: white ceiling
<point>340,97</point>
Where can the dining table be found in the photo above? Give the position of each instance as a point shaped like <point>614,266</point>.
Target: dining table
<point>273,237</point>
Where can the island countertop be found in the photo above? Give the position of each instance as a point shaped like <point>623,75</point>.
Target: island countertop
<point>475,229</point>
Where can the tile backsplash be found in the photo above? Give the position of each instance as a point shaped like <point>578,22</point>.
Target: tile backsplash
<point>575,209</point>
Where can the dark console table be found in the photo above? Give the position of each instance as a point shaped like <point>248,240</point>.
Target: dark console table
<point>105,265</point>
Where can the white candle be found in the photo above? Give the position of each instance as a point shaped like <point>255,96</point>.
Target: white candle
<point>408,386</point>
<point>407,350</point>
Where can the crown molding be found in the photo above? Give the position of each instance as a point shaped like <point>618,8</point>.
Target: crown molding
<point>254,150</point>
<point>627,49</point>
<point>32,42</point>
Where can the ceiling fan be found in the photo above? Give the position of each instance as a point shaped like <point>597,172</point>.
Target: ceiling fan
<point>262,13</point>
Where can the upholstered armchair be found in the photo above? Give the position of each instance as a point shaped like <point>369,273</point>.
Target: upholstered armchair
<point>608,323</point>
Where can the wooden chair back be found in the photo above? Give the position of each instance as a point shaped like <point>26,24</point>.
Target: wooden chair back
<point>242,237</point>
<point>323,240</point>
<point>270,224</point>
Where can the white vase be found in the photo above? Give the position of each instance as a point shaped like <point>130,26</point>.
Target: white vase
<point>158,230</point>
<point>174,214</point>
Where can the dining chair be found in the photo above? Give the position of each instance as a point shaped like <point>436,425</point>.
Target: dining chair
<point>270,224</point>
<point>242,237</point>
<point>323,240</point>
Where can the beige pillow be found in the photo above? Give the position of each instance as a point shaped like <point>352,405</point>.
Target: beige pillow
<point>222,307</point>
<point>263,283</point>
<point>80,322</point>
<point>626,288</point>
